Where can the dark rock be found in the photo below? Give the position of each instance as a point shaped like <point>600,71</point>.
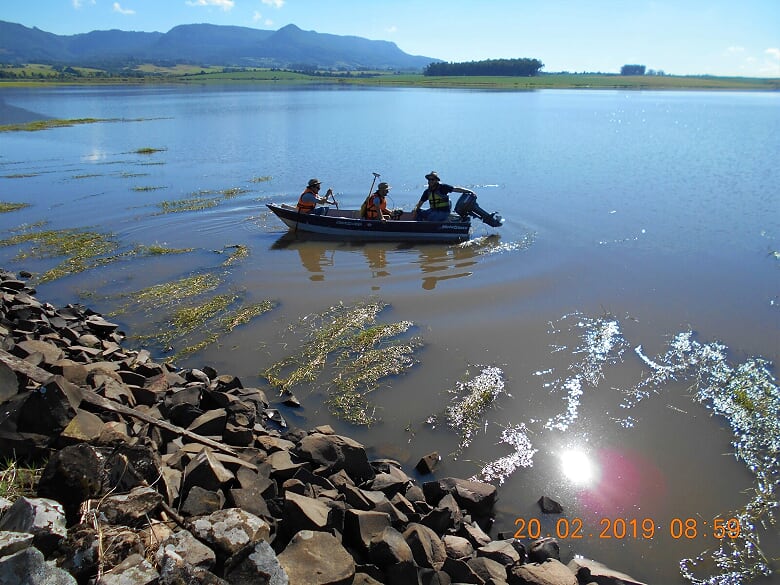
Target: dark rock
<point>188,548</point>
<point>254,565</point>
<point>427,548</point>
<point>332,453</point>
<point>202,502</point>
<point>207,472</point>
<point>543,549</point>
<point>17,568</point>
<point>428,463</point>
<point>549,506</point>
<point>317,558</point>
<point>41,517</point>
<point>72,476</point>
<point>134,569</point>
<point>476,497</point>
<point>599,573</point>
<point>550,572</point>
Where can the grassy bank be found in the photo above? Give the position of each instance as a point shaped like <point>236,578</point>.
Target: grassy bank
<point>210,75</point>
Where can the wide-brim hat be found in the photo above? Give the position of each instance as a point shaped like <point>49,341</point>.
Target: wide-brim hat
<point>314,183</point>
<point>432,176</point>
<point>383,186</point>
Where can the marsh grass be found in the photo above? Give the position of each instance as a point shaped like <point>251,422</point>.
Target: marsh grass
<point>148,188</point>
<point>7,207</point>
<point>149,150</point>
<point>359,351</point>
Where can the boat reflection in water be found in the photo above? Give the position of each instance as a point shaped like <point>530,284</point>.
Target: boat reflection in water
<point>437,262</point>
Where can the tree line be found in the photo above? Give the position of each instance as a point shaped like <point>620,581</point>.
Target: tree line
<point>503,67</point>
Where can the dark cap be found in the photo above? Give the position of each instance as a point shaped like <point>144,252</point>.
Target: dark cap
<point>432,176</point>
<point>313,182</point>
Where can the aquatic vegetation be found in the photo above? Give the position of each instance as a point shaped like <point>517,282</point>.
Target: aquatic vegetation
<point>48,124</point>
<point>523,456</point>
<point>83,249</point>
<point>199,201</point>
<point>239,253</point>
<point>159,250</point>
<point>471,399</point>
<point>601,344</point>
<point>263,179</point>
<point>361,352</point>
<point>7,207</point>
<point>182,315</point>
<point>748,397</point>
<point>149,150</point>
<point>148,188</point>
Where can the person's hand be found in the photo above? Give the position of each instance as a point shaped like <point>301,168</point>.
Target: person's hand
<point>328,193</point>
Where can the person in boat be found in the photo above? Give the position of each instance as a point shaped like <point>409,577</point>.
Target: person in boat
<point>376,205</point>
<point>438,197</point>
<point>310,196</point>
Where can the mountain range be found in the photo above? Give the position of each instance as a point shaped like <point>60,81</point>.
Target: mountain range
<point>204,44</point>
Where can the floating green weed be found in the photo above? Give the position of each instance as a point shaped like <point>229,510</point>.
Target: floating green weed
<point>239,253</point>
<point>199,201</point>
<point>149,150</point>
<point>264,179</point>
<point>159,250</point>
<point>6,207</point>
<point>21,176</point>
<point>361,352</point>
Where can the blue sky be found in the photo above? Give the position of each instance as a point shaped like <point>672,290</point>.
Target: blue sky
<point>714,37</point>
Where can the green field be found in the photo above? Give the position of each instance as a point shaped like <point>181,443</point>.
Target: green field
<point>192,74</point>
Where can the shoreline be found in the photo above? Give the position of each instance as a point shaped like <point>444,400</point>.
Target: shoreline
<point>177,459</point>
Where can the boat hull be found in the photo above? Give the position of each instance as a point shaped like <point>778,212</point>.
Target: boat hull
<point>348,224</point>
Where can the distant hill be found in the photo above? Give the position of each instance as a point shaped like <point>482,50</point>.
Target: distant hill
<point>203,44</point>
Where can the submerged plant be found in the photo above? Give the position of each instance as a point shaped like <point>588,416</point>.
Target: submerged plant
<point>748,397</point>
<point>601,343</point>
<point>82,249</point>
<point>471,399</point>
<point>361,352</point>
<point>6,207</point>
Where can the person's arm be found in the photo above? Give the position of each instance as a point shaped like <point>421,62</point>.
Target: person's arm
<point>462,190</point>
<point>422,200</point>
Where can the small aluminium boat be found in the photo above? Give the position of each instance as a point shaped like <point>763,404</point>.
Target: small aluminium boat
<point>404,225</point>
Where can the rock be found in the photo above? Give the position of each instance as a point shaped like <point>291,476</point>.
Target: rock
<point>254,565</point>
<point>129,509</point>
<point>41,517</point>
<point>476,497</point>
<point>188,548</point>
<point>72,476</point>
<point>457,547</point>
<point>207,472</point>
<point>333,453</point>
<point>134,569</point>
<point>550,572</point>
<point>389,548</point>
<point>228,531</point>
<point>13,542</point>
<point>428,463</point>
<point>427,548</point>
<point>502,551</point>
<point>543,549</point>
<point>317,558</point>
<point>29,566</point>
<point>361,527</point>
<point>600,573</point>
<point>549,506</point>
<point>304,513</point>
<point>202,502</point>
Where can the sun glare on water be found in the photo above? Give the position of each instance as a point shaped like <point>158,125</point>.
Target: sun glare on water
<point>578,467</point>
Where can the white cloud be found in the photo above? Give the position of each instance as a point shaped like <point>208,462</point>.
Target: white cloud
<point>120,10</point>
<point>79,4</point>
<point>225,5</point>
<point>392,29</point>
<point>274,3</point>
<point>774,53</point>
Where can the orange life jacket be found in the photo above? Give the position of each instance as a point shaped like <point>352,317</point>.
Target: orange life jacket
<point>371,210</point>
<point>306,206</point>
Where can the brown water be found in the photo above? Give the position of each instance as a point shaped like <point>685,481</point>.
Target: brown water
<point>631,218</point>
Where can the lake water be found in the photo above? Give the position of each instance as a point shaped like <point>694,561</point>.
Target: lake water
<point>641,239</point>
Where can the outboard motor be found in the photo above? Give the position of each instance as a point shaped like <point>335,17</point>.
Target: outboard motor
<point>467,206</point>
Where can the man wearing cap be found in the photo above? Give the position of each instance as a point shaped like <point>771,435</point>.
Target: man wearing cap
<point>309,198</point>
<point>437,196</point>
<point>376,206</point>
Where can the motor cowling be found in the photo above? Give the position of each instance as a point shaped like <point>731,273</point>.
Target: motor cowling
<point>467,206</point>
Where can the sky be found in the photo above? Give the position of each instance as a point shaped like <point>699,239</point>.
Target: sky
<point>677,37</point>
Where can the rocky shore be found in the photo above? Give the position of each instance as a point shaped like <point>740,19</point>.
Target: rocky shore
<point>155,475</point>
